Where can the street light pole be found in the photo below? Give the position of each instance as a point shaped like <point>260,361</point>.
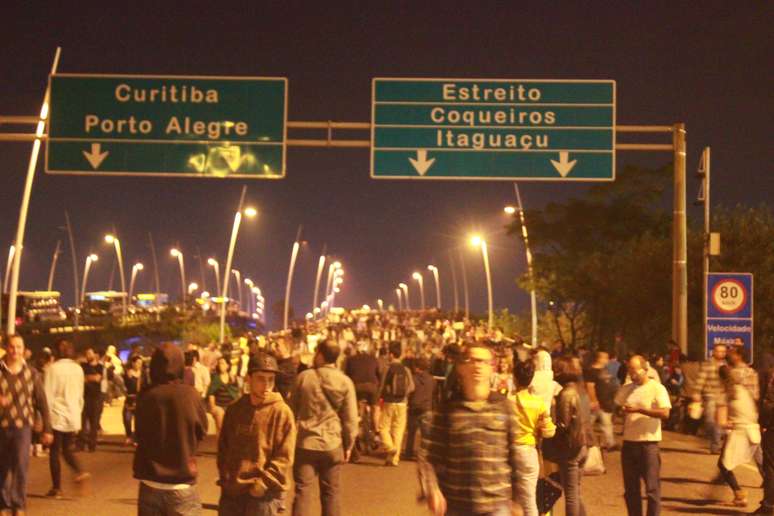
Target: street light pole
<point>53,266</point>
<point>530,270</point>
<point>320,268</point>
<point>8,265</point>
<point>464,285</point>
<point>238,278</point>
<point>111,239</point>
<point>398,293</point>
<point>288,285</point>
<point>136,268</point>
<point>249,212</point>
<point>89,260</point>
<point>418,277</point>
<point>212,262</point>
<point>477,241</point>
<point>179,255</point>
<point>434,270</point>
<point>406,302</point>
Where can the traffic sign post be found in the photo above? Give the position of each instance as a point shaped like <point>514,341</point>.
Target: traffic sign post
<point>167,126</point>
<point>730,312</point>
<point>493,129</point>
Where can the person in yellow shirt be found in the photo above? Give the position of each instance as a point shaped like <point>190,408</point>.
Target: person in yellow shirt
<point>533,421</point>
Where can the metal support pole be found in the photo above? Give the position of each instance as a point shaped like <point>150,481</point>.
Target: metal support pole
<point>485,255</point>
<point>704,172</point>
<point>465,285</point>
<point>25,203</point>
<point>454,283</point>
<point>74,259</point>
<point>54,259</point>
<point>680,243</point>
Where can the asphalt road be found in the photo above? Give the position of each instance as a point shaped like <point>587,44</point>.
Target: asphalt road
<point>371,489</point>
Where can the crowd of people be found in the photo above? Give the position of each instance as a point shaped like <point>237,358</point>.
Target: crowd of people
<point>495,425</point>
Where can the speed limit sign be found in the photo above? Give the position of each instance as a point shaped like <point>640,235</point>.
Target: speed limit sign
<point>729,296</point>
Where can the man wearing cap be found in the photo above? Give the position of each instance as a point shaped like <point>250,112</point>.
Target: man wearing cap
<point>256,445</point>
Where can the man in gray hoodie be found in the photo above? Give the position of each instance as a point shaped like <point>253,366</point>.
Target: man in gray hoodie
<point>323,400</point>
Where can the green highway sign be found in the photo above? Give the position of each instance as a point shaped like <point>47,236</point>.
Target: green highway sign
<point>167,126</point>
<point>493,129</point>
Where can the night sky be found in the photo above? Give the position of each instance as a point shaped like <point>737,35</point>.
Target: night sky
<point>708,64</point>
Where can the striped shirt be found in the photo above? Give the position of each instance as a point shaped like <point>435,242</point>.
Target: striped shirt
<point>469,454</point>
<point>708,381</point>
<point>25,392</point>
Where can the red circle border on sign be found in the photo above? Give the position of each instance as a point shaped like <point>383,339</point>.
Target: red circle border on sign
<point>742,289</point>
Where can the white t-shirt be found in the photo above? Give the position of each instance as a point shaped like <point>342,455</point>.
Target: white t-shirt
<point>650,395</point>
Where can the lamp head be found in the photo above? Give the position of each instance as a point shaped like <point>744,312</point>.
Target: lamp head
<point>403,286</point>
<point>174,252</point>
<point>417,276</point>
<point>109,238</point>
<point>250,212</point>
<point>139,266</point>
<point>510,210</point>
<point>337,265</point>
<point>476,240</point>
<point>212,262</point>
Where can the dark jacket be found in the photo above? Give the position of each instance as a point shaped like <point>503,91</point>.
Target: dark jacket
<point>573,422</point>
<point>363,368</point>
<point>421,400</point>
<point>170,422</point>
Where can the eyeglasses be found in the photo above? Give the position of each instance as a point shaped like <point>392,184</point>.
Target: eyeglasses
<point>476,361</point>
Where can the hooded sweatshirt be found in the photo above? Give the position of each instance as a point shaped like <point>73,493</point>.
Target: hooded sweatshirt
<point>170,422</point>
<point>257,442</point>
<point>543,385</point>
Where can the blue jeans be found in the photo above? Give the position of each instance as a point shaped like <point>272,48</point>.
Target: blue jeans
<point>502,510</point>
<point>246,505</point>
<point>14,460</point>
<point>641,461</point>
<point>606,425</point>
<point>571,474</point>
<point>714,430</point>
<point>163,502</point>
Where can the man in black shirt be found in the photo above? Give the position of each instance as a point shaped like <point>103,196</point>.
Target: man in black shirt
<point>602,387</point>
<point>420,404</point>
<point>92,400</point>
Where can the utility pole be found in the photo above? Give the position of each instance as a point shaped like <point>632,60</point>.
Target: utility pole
<point>680,243</point>
<point>74,259</point>
<point>51,271</point>
<point>704,199</point>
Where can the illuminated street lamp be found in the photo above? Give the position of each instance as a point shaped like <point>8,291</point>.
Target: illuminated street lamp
<point>136,268</point>
<point>318,277</point>
<point>111,239</point>
<point>380,304</point>
<point>399,293</point>
<point>417,276</point>
<point>89,260</point>
<point>238,278</point>
<point>175,253</point>
<point>250,286</point>
<point>212,262</point>
<point>434,270</point>
<point>406,302</point>
<point>477,241</point>
<point>192,287</point>
<point>247,212</point>
<point>289,284</point>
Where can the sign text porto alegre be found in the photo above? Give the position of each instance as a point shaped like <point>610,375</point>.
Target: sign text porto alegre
<point>167,126</point>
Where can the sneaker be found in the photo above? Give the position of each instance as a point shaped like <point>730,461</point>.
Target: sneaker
<point>56,494</point>
<point>82,477</point>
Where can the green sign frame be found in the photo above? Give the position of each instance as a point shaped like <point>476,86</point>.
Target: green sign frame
<point>493,129</point>
<point>167,126</point>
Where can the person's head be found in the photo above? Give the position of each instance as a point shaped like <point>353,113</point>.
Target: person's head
<point>90,354</point>
<point>223,366</point>
<point>637,367</point>
<point>167,364</point>
<point>395,350</point>
<point>194,356</point>
<point>725,376</point>
<point>523,372</point>
<point>135,362</point>
<point>64,349</point>
<point>566,369</point>
<point>658,361</point>
<point>421,364</point>
<point>188,358</point>
<point>474,369</point>
<point>327,353</point>
<point>601,358</point>
<point>719,352</point>
<point>261,371</point>
<point>735,356</point>
<point>14,348</point>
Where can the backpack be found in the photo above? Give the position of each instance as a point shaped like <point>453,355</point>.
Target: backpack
<point>396,385</point>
